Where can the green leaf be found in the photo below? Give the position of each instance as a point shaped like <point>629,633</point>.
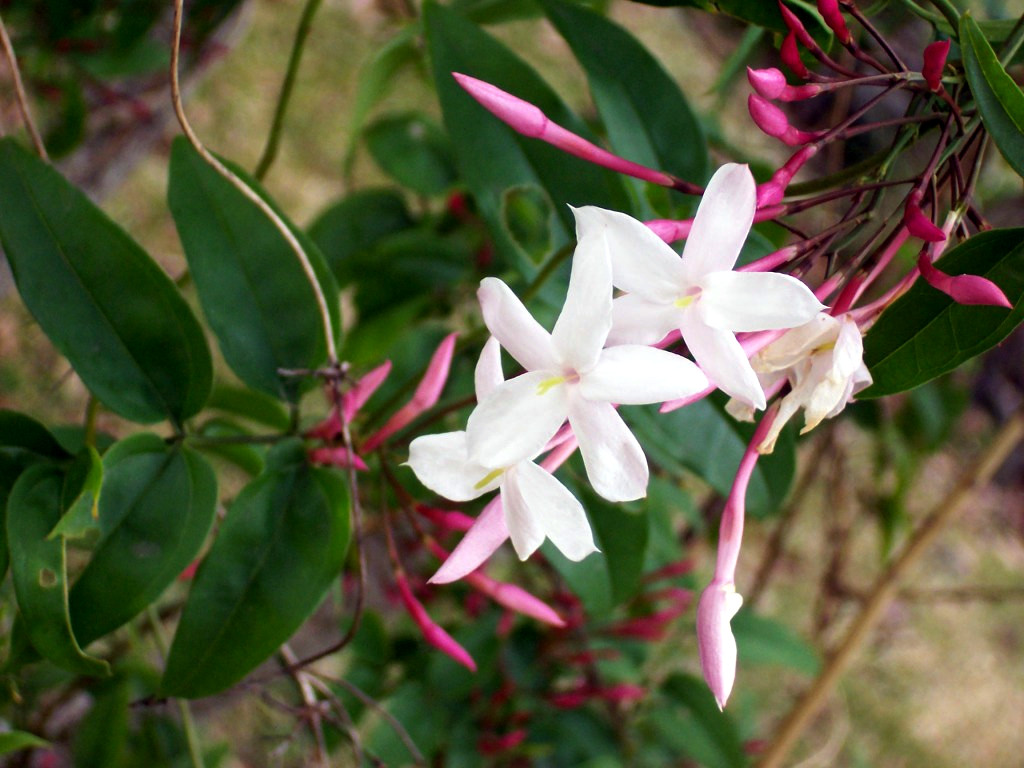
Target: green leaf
<point>82,484</point>
<point>491,157</point>
<point>281,545</point>
<point>249,404</point>
<point>247,457</point>
<point>763,641</point>
<point>15,741</point>
<point>1000,100</point>
<point>413,150</point>
<point>100,736</point>
<point>646,115</point>
<point>254,292</point>
<point>708,735</point>
<point>759,12</point>
<point>25,433</point>
<point>622,537</point>
<point>102,301</point>
<point>704,439</point>
<point>925,333</point>
<point>39,569</point>
<point>351,226</point>
<point>156,509</point>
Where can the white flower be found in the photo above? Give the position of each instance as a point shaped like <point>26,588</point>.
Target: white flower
<point>700,294</point>
<point>824,363</point>
<point>570,375</point>
<point>535,504</point>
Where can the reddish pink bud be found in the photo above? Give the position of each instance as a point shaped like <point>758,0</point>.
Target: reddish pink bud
<point>796,27</point>
<point>919,225</point>
<point>934,62</point>
<point>678,568</point>
<point>829,10</point>
<point>337,456</point>
<point>963,289</point>
<point>620,692</point>
<point>490,745</point>
<point>790,55</point>
<point>527,119</point>
<point>773,190</point>
<point>570,699</point>
<point>427,393</point>
<point>670,230</point>
<point>448,520</point>
<point>431,631</point>
<point>773,121</point>
<point>771,84</point>
<point>356,397</point>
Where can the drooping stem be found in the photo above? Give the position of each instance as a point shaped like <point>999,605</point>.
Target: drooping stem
<point>20,95</point>
<point>886,586</point>
<point>247,191</point>
<point>298,46</point>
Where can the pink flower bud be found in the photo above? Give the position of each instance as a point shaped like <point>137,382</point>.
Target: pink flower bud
<point>919,225</point>
<point>790,55</point>
<point>963,289</point>
<point>773,190</point>
<point>487,534</point>
<point>934,62</point>
<point>796,27</point>
<point>773,121</point>
<point>427,393</point>
<point>431,631</point>
<point>771,84</point>
<point>337,456</point>
<point>490,745</point>
<point>621,692</point>
<point>829,10</point>
<point>670,230</point>
<point>448,520</point>
<point>715,641</point>
<point>356,397</point>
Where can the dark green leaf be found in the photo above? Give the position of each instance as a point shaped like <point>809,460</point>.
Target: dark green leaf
<point>925,333</point>
<point>102,301</point>
<point>249,404</point>
<point>352,225</point>
<point>707,441</point>
<point>280,547</point>
<point>646,115</point>
<point>247,457</point>
<point>622,537</point>
<point>82,486</point>
<point>25,433</point>
<point>254,291</point>
<point>413,150</point>
<point>101,735</point>
<point>39,569</point>
<point>763,641</point>
<point>492,157</point>
<point>709,735</point>
<point>15,741</point>
<point>1000,100</point>
<point>156,509</point>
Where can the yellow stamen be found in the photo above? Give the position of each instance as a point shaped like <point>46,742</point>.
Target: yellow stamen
<point>488,478</point>
<point>685,301</point>
<point>548,384</point>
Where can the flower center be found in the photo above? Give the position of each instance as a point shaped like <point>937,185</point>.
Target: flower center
<point>488,478</point>
<point>688,298</point>
<point>548,384</point>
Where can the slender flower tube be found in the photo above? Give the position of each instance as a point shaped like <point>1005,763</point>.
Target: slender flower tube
<point>790,54</point>
<point>426,395</point>
<point>771,84</point>
<point>829,10</point>
<point>569,374</point>
<point>963,289</point>
<point>355,398</point>
<point>934,62</point>
<point>919,225</point>
<point>432,632</point>
<point>527,119</point>
<point>700,294</point>
<point>796,27</point>
<point>773,190</point>
<point>773,121</point>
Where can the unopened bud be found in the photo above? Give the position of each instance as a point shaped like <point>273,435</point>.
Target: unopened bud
<point>797,27</point>
<point>963,289</point>
<point>829,10</point>
<point>773,121</point>
<point>771,84</point>
<point>790,54</point>
<point>934,62</point>
<point>715,641</point>
<point>919,225</point>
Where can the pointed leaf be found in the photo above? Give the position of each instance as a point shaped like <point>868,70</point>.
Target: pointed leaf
<point>25,433</point>
<point>708,735</point>
<point>39,570</point>
<point>253,289</point>
<point>102,301</point>
<point>280,547</point>
<point>413,150</point>
<point>763,641</point>
<point>156,509</point>
<point>15,741</point>
<point>925,333</point>
<point>1000,100</point>
<point>82,488</point>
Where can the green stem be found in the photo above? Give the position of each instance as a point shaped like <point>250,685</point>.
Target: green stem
<point>947,9</point>
<point>547,271</point>
<point>91,410</point>
<point>298,45</point>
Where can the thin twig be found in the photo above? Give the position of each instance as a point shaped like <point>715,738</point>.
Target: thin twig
<point>245,189</point>
<point>19,91</point>
<point>311,705</point>
<point>885,589</point>
<point>298,46</point>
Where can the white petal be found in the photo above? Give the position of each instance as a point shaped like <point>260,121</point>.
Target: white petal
<point>848,353</point>
<point>514,327</point>
<point>557,510</point>
<point>586,317</point>
<point>797,344</point>
<point>642,262</point>
<point>488,376</point>
<point>635,375</point>
<point>517,419</point>
<point>723,360</point>
<point>635,320</point>
<point>722,222</point>
<point>524,526</point>
<point>442,464</point>
<point>755,301</point>
<point>615,462</point>
<point>486,534</point>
